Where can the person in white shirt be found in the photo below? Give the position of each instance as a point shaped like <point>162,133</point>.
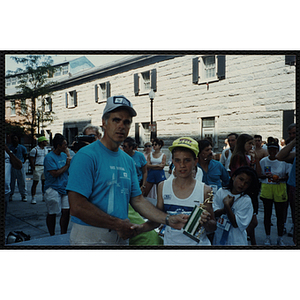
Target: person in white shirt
<point>274,174</point>
<point>36,160</point>
<point>227,152</point>
<point>10,161</point>
<point>233,207</point>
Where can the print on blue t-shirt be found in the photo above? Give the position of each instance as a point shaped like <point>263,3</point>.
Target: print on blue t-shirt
<point>106,178</point>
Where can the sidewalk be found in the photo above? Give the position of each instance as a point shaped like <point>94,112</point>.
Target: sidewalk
<point>31,219</point>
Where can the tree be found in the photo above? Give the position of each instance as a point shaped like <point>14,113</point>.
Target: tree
<point>33,85</point>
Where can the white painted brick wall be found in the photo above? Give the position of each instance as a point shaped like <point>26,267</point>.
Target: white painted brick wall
<point>250,99</point>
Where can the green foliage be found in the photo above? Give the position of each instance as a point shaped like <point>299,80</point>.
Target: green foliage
<point>14,128</point>
<point>33,85</point>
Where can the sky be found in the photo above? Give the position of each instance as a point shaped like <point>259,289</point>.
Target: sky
<point>97,60</point>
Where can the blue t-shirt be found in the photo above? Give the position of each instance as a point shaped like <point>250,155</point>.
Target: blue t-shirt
<point>292,176</point>
<point>19,151</point>
<point>52,162</point>
<point>140,161</point>
<point>106,178</point>
<point>216,174</point>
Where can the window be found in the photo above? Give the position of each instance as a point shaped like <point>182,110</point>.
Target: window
<point>47,104</point>
<point>8,81</point>
<point>290,60</point>
<point>102,92</point>
<point>65,69</point>
<point>208,129</point>
<point>143,133</point>
<point>71,99</point>
<point>13,80</point>
<point>57,72</point>
<point>13,108</point>
<point>144,82</point>
<point>208,68</point>
<point>23,107</point>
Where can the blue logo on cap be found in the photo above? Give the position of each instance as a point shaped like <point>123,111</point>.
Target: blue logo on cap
<point>121,100</point>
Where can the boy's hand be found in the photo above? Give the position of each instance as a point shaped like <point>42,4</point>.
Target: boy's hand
<point>228,200</point>
<point>205,217</point>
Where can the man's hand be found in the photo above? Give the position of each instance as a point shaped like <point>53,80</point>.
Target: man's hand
<point>178,221</point>
<point>138,229</point>
<point>68,161</point>
<point>126,229</point>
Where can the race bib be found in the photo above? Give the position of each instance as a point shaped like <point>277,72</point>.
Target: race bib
<point>224,223</point>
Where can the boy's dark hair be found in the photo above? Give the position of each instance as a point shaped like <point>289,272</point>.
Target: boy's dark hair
<point>202,144</point>
<point>130,141</point>
<point>58,140</point>
<point>235,134</point>
<point>257,136</point>
<point>183,149</point>
<point>291,126</point>
<point>253,189</point>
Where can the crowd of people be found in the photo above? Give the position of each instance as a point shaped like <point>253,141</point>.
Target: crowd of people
<point>115,195</point>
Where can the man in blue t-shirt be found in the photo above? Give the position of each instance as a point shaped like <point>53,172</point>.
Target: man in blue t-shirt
<point>214,173</point>
<point>103,181</point>
<point>139,160</point>
<point>56,165</point>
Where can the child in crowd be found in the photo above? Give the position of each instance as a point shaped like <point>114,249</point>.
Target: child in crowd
<point>244,155</point>
<point>181,194</point>
<point>273,190</point>
<point>233,207</point>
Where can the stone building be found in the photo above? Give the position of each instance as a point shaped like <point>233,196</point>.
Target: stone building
<point>195,95</point>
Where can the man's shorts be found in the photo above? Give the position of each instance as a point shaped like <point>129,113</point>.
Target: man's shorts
<point>277,192</point>
<point>55,201</point>
<point>83,235</point>
<point>38,173</point>
<point>156,176</point>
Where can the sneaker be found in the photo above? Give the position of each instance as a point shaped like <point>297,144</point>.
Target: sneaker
<point>280,242</point>
<point>291,232</point>
<point>33,201</point>
<point>24,199</point>
<point>267,242</point>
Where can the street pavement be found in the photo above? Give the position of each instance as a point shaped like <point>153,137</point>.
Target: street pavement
<point>31,219</point>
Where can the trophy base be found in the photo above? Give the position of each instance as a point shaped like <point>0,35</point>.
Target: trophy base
<point>191,236</point>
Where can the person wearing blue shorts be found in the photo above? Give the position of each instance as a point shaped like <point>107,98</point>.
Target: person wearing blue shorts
<point>156,162</point>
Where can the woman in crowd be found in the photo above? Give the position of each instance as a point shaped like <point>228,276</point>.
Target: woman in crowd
<point>147,150</point>
<point>156,162</point>
<point>273,190</point>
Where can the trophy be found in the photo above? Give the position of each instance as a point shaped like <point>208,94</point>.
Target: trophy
<point>192,228</point>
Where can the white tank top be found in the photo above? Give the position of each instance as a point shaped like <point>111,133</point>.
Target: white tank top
<point>175,206</point>
<point>156,161</point>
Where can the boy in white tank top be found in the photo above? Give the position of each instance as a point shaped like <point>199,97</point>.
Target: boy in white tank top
<point>180,195</point>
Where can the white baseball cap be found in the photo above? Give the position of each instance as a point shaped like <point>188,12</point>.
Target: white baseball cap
<point>115,102</point>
